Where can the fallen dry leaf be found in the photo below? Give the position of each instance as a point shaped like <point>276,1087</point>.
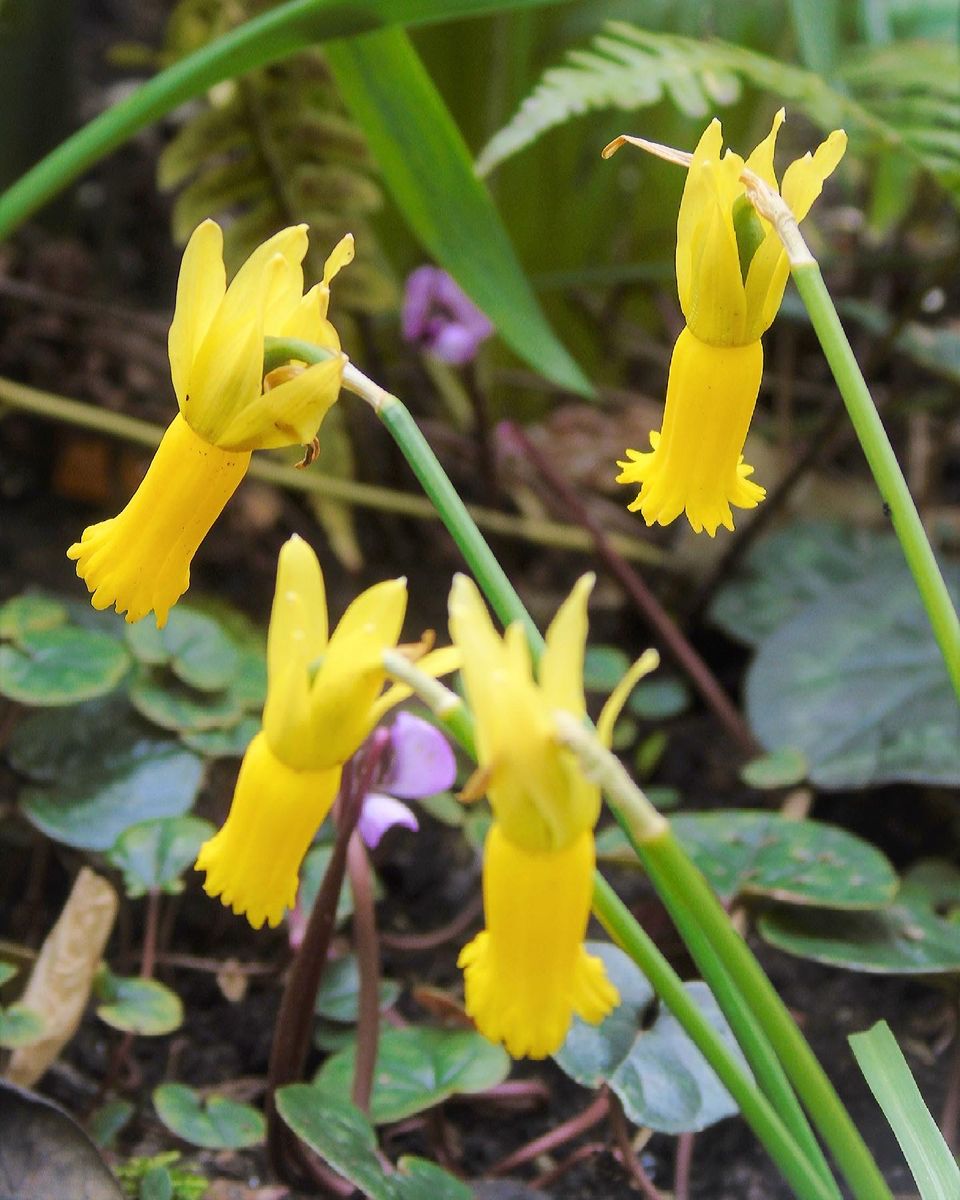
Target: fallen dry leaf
<point>60,982</point>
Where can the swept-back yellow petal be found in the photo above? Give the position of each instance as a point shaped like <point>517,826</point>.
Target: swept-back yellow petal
<point>200,289</point>
<point>561,667</point>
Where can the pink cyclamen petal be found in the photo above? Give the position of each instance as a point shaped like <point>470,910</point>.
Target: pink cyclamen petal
<point>423,762</point>
<point>381,813</point>
<point>439,316</point>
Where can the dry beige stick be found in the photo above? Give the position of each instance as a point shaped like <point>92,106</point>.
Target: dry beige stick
<point>60,982</point>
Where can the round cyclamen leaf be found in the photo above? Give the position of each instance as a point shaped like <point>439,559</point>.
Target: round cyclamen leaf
<point>603,668</point>
<point>172,705</point>
<point>60,666</point>
<point>231,742</point>
<point>420,1179</point>
<point>154,854</point>
<point>917,934</point>
<point>418,1068</point>
<point>214,1124</point>
<point>137,1005</point>
<point>779,769</point>
<point>45,1155</point>
<point>423,762</point>
<point>792,569</point>
<point>192,644</point>
<point>153,778</point>
<point>643,1053</point>
<point>339,996</point>
<point>27,613</point>
<point>659,698</point>
<point>338,1132</point>
<point>857,682</point>
<point>19,1026</point>
<point>54,744</point>
<point>750,853</point>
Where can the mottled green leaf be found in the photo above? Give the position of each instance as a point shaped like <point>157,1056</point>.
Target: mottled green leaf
<point>917,934</point>
<point>779,769</point>
<point>216,1123</point>
<point>19,1026</point>
<point>151,778</point>
<point>173,705</point>
<point>154,854</point>
<point>857,683</point>
<point>748,853</point>
<point>60,666</point>
<point>339,995</point>
<point>29,613</point>
<point>659,698</point>
<point>192,644</point>
<point>231,742</point>
<point>603,668</point>
<point>642,1052</point>
<point>136,1005</point>
<point>418,1068</point>
<point>787,571</point>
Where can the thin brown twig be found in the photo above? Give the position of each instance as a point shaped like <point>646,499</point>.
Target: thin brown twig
<point>368,961</point>
<point>657,617</point>
<point>627,1155</point>
<point>590,1150</point>
<point>595,1112</point>
<point>950,1116</point>
<point>683,1165</point>
<point>435,937</point>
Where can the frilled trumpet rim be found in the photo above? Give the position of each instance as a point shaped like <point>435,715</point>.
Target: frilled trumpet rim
<point>253,862</point>
<point>527,973</point>
<point>696,465</point>
<point>139,560</point>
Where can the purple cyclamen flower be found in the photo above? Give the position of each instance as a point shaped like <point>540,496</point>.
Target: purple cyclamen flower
<point>421,763</point>
<point>441,318</point>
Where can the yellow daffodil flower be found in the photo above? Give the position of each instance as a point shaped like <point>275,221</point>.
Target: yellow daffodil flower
<point>731,273</point>
<point>323,699</point>
<point>139,561</point>
<point>527,973</point>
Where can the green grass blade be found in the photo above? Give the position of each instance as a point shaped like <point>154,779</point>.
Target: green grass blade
<point>428,170</point>
<point>265,39</point>
<point>885,1070</point>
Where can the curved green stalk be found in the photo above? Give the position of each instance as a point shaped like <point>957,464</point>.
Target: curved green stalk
<point>866,422</point>
<point>802,1171</point>
<point>883,463</point>
<point>264,39</point>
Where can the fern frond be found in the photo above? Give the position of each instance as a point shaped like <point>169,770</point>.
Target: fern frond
<point>274,148</point>
<point>903,98</point>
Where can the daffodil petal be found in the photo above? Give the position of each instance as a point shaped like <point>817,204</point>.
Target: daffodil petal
<point>561,666</point>
<point>200,289</point>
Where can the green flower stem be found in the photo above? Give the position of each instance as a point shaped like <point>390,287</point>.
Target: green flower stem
<point>644,826</point>
<point>768,1009</point>
<point>883,463</point>
<point>453,512</point>
<point>257,43</point>
<point>866,422</point>
<point>706,929</point>
<point>802,1171</point>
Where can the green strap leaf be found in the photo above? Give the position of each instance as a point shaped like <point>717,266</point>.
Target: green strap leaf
<point>891,1081</point>
<point>258,42</point>
<point>428,170</point>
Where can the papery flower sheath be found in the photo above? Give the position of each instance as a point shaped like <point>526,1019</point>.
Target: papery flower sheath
<point>527,973</point>
<point>323,699</point>
<point>731,273</point>
<point>139,561</point>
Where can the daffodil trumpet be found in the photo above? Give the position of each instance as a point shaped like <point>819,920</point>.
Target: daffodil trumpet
<point>527,973</point>
<point>325,694</point>
<point>731,273</point>
<point>139,561</point>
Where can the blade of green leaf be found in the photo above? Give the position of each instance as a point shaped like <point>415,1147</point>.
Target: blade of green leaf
<point>891,1081</point>
<point>429,172</point>
<point>816,24</point>
<point>265,39</point>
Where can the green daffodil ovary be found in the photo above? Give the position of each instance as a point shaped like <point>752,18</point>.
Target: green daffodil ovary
<point>139,561</point>
<point>527,973</point>
<point>731,273</point>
